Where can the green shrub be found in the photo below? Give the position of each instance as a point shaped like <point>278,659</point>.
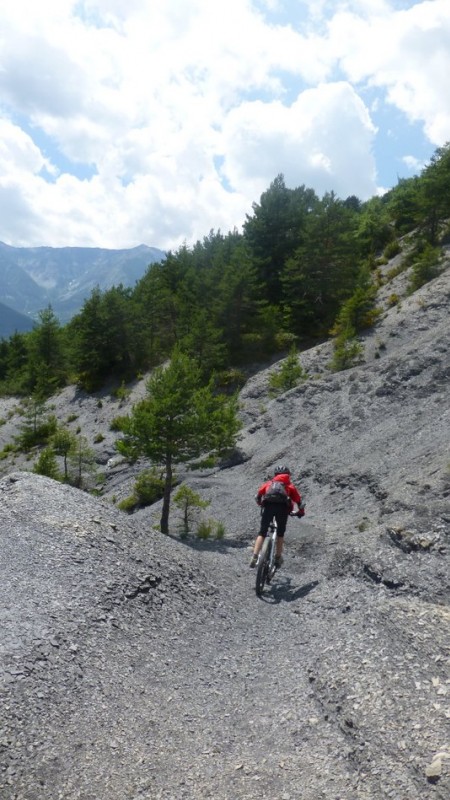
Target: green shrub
<point>285,340</point>
<point>205,463</point>
<point>128,504</point>
<point>36,431</point>
<point>230,379</point>
<point>149,486</point>
<point>122,392</point>
<point>7,450</point>
<point>394,271</point>
<point>393,300</point>
<point>425,267</point>
<point>289,375</point>
<point>99,438</point>
<point>47,464</point>
<point>148,489</point>
<point>220,530</point>
<point>356,313</point>
<point>379,278</point>
<point>189,502</point>
<point>205,529</point>
<point>347,353</point>
<point>117,424</point>
<point>392,249</point>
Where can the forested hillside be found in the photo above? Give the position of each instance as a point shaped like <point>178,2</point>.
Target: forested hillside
<point>303,268</point>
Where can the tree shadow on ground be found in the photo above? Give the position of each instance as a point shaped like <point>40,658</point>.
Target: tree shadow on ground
<point>282,590</point>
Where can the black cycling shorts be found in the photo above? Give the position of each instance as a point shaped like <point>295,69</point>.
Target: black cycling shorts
<point>270,511</point>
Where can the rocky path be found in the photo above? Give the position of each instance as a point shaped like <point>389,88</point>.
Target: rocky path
<point>153,670</point>
<point>221,708</point>
<point>137,667</point>
<point>269,711</point>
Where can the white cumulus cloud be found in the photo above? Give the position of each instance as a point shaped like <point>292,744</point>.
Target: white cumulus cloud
<point>129,121</point>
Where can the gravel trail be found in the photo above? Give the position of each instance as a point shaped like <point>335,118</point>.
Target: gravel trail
<point>150,669</point>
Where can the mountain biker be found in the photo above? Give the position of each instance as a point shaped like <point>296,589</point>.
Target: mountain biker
<point>280,508</point>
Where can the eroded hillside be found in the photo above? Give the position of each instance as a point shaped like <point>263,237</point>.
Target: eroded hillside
<point>135,665</point>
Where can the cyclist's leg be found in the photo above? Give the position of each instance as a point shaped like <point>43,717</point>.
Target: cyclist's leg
<point>266,519</point>
<point>259,541</point>
<point>281,517</point>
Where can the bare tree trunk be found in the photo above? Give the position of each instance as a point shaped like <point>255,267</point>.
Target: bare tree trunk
<point>166,497</point>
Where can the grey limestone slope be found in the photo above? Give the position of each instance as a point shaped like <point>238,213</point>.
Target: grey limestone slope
<point>370,446</point>
<point>134,665</point>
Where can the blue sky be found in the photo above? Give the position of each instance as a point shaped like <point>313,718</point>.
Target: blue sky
<point>154,121</point>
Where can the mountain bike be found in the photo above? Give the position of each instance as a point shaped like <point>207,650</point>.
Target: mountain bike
<point>266,568</point>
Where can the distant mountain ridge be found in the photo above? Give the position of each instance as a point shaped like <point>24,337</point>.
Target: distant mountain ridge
<point>11,321</point>
<point>31,278</point>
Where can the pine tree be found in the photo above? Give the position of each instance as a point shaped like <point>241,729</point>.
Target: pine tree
<point>178,421</point>
<point>82,461</point>
<point>64,442</point>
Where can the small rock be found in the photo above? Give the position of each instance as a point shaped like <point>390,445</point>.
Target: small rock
<point>434,770</point>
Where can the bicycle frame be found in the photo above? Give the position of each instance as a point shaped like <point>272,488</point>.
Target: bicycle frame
<point>266,562</point>
<point>273,533</point>
<point>265,566</point>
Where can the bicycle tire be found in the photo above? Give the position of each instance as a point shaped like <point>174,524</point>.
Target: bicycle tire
<point>263,567</point>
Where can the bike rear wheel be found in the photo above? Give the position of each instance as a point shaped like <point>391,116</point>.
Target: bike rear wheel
<point>262,572</point>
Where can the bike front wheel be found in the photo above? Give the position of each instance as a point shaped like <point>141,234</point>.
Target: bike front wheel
<point>262,572</point>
